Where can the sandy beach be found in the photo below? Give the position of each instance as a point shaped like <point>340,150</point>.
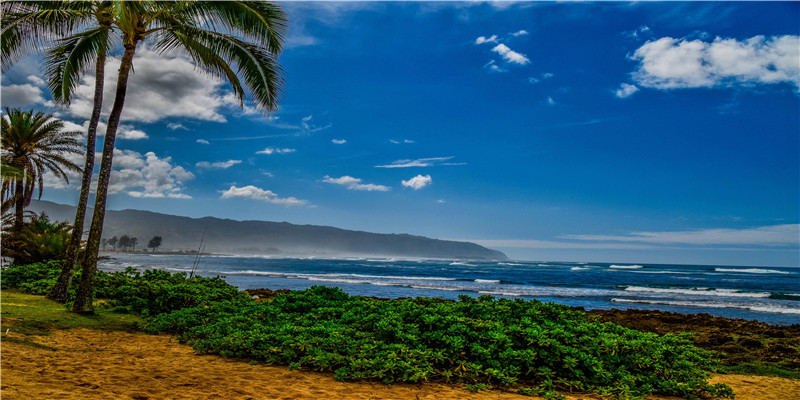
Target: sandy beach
<point>92,364</point>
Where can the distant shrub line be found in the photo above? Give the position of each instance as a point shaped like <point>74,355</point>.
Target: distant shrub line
<point>535,347</point>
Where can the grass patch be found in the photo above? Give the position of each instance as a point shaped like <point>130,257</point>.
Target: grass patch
<point>36,315</point>
<point>763,370</point>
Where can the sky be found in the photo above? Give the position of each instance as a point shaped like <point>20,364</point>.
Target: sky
<point>642,132</point>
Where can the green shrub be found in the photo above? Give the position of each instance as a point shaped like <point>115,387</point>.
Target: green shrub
<point>35,278</point>
<point>478,342</point>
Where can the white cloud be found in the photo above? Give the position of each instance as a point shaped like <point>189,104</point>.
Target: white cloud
<point>203,141</point>
<point>339,141</point>
<point>23,95</point>
<point>310,127</point>
<point>273,150</point>
<point>511,56</point>
<point>421,162</point>
<point>255,193</point>
<point>218,164</point>
<point>550,101</point>
<point>138,175</point>
<point>162,86</point>
<point>355,184</point>
<point>482,39</point>
<point>418,182</point>
<point>493,67</point>
<point>521,32</point>
<point>175,126</point>
<point>774,235</point>
<point>670,63</point>
<point>625,90</point>
<point>158,177</point>
<point>406,141</point>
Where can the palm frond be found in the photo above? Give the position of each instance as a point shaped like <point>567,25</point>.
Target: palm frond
<point>70,57</point>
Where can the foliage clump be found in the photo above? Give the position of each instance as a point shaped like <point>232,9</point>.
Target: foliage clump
<point>482,342</point>
<point>147,293</point>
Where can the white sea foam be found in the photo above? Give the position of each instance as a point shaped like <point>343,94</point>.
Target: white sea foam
<point>752,271</point>
<point>512,264</point>
<point>700,291</point>
<point>487,281</point>
<point>579,268</point>
<point>713,304</point>
<point>463,264</point>
<point>626,267</point>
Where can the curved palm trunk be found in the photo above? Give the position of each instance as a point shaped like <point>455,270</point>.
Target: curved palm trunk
<point>60,291</point>
<point>83,301</point>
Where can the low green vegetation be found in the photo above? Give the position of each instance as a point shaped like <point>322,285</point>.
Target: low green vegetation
<point>536,348</point>
<point>30,314</point>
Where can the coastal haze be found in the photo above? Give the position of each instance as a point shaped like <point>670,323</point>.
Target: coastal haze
<point>183,234</point>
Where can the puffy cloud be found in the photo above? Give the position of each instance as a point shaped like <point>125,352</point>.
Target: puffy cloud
<point>421,162</point>
<point>138,175</point>
<point>162,86</point>
<point>521,32</point>
<point>773,235</point>
<point>625,90</point>
<point>482,39</point>
<point>158,177</point>
<point>355,184</point>
<point>218,164</point>
<point>256,193</point>
<point>418,182</point>
<point>203,141</point>
<point>22,95</point>
<point>273,150</point>
<point>670,63</point>
<point>339,141</point>
<point>510,56</point>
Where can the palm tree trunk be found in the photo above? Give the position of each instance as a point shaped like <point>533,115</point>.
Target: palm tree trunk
<point>60,291</point>
<point>83,301</point>
<point>19,206</point>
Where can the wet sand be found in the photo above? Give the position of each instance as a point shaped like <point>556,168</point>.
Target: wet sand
<point>92,364</point>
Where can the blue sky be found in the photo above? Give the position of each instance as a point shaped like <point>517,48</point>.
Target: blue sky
<point>624,132</point>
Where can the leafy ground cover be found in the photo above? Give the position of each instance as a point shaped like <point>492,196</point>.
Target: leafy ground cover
<point>744,346</point>
<point>484,342</point>
<point>535,347</point>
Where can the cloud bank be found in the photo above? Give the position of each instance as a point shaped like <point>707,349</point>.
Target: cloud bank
<point>670,63</point>
<point>256,193</point>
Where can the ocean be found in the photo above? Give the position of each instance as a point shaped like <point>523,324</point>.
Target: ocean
<point>767,294</point>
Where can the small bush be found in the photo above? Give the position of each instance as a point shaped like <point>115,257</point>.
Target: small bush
<point>35,278</point>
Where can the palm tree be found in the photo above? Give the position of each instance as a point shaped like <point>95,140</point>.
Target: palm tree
<point>34,143</point>
<point>235,40</point>
<point>23,23</point>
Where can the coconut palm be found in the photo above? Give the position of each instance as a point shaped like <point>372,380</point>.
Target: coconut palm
<point>234,40</point>
<point>32,26</point>
<point>34,143</point>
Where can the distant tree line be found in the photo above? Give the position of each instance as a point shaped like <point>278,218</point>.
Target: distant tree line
<point>127,243</point>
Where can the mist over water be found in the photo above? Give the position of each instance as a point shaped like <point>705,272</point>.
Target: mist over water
<point>770,295</point>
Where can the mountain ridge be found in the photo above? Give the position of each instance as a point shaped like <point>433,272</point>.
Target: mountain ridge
<point>223,235</point>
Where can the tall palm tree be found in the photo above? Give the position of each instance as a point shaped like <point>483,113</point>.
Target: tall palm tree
<point>235,40</point>
<point>23,23</point>
<point>34,143</point>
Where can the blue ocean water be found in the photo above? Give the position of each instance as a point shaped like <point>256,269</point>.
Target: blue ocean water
<point>768,294</point>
